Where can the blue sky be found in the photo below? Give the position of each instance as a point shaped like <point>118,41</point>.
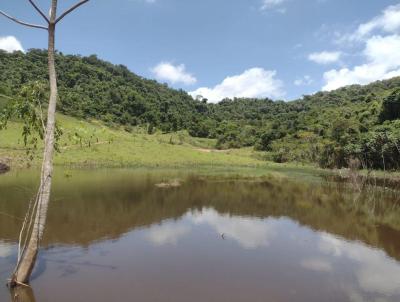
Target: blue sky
<point>223,48</point>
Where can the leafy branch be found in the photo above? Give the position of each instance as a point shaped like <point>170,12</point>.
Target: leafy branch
<point>28,108</point>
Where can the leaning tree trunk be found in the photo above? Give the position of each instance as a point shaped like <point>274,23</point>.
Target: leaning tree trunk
<point>28,257</point>
<point>22,294</point>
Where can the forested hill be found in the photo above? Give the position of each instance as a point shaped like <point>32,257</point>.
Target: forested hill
<point>329,128</point>
<point>92,88</point>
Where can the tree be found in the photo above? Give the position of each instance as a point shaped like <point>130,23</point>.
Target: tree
<point>34,229</point>
<point>391,107</point>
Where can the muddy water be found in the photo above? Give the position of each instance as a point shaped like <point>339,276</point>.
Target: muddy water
<point>116,236</point>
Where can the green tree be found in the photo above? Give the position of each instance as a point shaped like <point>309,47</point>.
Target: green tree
<point>391,107</point>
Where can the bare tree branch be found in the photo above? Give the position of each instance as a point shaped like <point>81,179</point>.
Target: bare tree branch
<point>21,22</point>
<point>71,9</point>
<point>39,11</point>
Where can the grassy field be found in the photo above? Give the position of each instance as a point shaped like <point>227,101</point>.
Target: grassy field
<point>93,145</point>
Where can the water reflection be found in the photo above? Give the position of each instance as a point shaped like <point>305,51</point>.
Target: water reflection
<point>22,294</point>
<point>248,232</point>
<point>167,233</point>
<point>209,240</point>
<point>317,264</point>
<point>376,273</point>
<point>6,249</point>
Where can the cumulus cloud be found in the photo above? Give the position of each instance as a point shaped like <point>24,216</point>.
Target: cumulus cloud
<point>166,71</point>
<point>252,83</point>
<point>382,55</point>
<point>271,4</point>
<point>10,44</point>
<point>379,40</point>
<point>325,57</point>
<point>388,21</point>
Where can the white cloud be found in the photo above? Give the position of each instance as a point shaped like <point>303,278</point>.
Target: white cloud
<point>325,57</point>
<point>379,40</point>
<point>271,4</point>
<point>384,51</point>
<point>10,44</point>
<point>382,55</point>
<point>388,21</point>
<point>166,71</point>
<point>252,83</point>
<point>304,81</point>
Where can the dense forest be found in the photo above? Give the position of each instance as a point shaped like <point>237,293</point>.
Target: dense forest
<point>328,128</point>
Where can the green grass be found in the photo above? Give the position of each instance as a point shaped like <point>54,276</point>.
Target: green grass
<point>93,145</point>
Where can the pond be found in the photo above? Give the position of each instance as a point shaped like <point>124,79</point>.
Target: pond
<point>115,235</point>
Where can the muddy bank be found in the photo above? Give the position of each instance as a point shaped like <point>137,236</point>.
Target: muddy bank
<point>175,183</point>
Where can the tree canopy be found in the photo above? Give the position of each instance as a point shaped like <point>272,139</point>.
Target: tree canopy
<point>329,128</point>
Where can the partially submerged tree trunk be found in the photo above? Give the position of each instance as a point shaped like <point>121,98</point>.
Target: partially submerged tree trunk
<point>22,294</point>
<point>38,213</point>
<point>28,256</point>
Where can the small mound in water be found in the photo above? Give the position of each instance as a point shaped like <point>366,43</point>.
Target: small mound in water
<point>170,184</point>
<point>4,168</point>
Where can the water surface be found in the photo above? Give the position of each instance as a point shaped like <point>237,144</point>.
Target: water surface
<point>115,236</point>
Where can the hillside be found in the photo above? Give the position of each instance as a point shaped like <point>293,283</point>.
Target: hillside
<point>327,128</point>
<point>91,144</point>
<point>92,88</point>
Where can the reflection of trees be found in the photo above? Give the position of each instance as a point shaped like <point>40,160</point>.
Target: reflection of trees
<point>89,209</point>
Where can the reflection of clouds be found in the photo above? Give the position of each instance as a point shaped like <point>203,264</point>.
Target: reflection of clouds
<point>250,233</point>
<point>379,274</point>
<point>376,272</point>
<point>167,233</point>
<point>6,249</point>
<point>318,265</point>
<point>355,295</point>
<point>329,244</point>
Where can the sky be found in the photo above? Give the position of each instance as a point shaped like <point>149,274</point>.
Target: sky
<point>280,49</point>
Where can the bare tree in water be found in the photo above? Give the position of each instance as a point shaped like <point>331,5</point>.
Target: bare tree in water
<point>35,220</point>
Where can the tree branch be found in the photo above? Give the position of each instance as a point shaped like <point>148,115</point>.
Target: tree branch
<point>39,11</point>
<point>21,22</point>
<point>70,10</point>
